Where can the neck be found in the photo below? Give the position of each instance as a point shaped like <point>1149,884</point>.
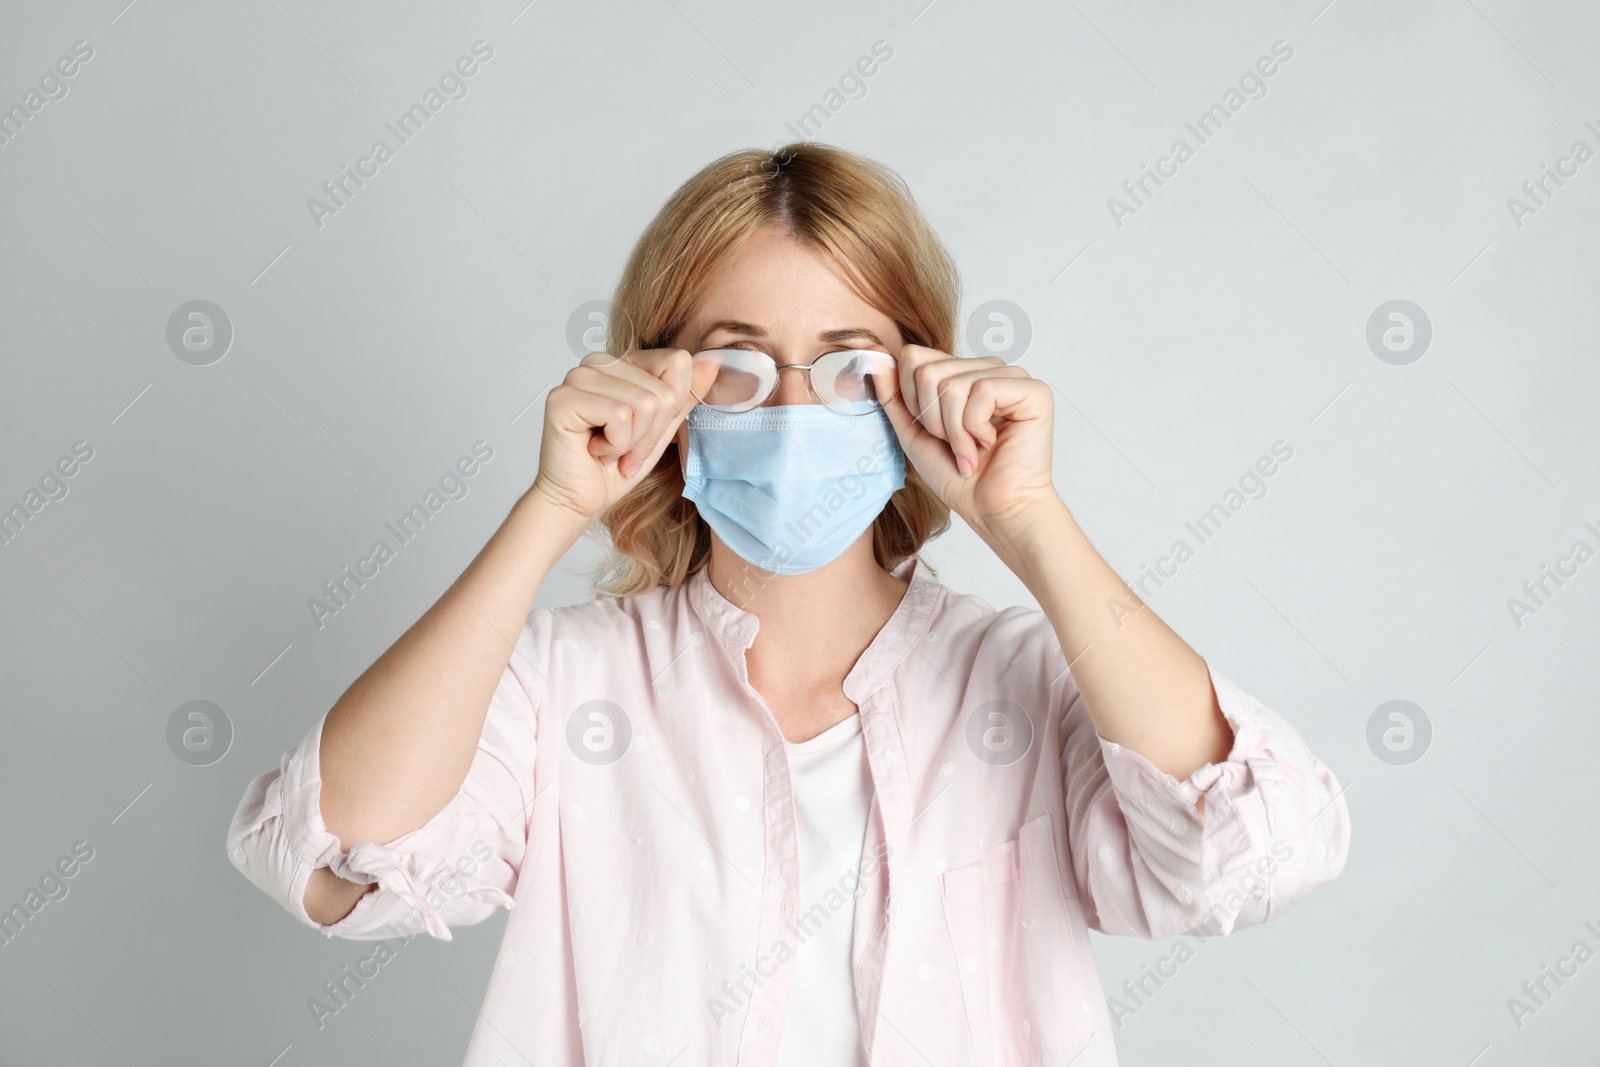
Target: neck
<point>816,624</point>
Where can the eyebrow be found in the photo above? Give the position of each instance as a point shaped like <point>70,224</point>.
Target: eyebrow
<point>748,329</point>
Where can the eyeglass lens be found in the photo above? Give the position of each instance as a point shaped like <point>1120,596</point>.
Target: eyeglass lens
<point>843,380</point>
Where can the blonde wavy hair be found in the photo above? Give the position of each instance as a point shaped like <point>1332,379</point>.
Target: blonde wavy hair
<point>861,216</point>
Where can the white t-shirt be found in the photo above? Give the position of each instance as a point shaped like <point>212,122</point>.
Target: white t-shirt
<point>832,794</point>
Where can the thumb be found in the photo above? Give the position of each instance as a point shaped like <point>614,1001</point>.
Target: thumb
<point>906,427</point>
<point>926,452</point>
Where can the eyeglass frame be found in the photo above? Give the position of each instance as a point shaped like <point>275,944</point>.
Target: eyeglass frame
<point>811,385</point>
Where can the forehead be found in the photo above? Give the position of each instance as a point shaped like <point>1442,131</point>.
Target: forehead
<point>777,285</point>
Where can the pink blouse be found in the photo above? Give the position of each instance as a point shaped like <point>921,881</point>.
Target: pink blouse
<point>631,801</point>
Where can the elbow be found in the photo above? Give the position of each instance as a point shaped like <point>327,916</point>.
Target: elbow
<point>330,899</point>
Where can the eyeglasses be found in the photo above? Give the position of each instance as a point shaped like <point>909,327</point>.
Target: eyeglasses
<point>843,380</point>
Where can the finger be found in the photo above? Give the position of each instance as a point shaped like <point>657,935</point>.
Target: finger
<point>664,374</point>
<point>664,371</point>
<point>952,407</point>
<point>926,452</point>
<point>650,407</point>
<point>984,402</point>
<point>697,379</point>
<point>911,358</point>
<point>672,373</point>
<point>928,377</point>
<point>642,369</point>
<point>688,381</point>
<point>584,411</point>
<point>982,399</point>
<point>680,375</point>
<point>905,424</point>
<point>650,415</point>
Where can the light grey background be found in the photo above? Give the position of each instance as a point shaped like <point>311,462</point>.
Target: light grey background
<point>1229,312</point>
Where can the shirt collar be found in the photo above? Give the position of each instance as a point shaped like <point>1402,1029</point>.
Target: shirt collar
<point>903,630</point>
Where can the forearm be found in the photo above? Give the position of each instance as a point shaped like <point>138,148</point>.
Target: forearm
<point>398,744</point>
<point>1142,685</point>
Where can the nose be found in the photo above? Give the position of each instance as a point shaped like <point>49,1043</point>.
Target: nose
<point>794,386</point>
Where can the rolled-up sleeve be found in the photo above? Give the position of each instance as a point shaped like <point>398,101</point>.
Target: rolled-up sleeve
<point>455,870</point>
<point>1146,862</point>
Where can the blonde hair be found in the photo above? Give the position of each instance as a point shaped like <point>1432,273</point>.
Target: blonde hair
<point>857,213</point>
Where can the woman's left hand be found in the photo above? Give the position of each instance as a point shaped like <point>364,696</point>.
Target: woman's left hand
<point>983,412</point>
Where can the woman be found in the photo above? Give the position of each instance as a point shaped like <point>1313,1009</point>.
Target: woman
<point>783,797</point>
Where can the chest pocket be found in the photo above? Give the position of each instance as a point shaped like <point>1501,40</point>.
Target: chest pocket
<point>1021,950</point>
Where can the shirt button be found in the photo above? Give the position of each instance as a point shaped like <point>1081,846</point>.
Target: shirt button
<point>238,854</point>
<point>892,752</point>
<point>1105,854</point>
<point>969,963</point>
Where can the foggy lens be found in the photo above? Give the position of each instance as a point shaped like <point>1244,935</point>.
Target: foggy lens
<point>743,378</point>
<point>845,380</point>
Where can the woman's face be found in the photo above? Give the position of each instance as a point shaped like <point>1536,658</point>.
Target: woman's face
<point>780,298</point>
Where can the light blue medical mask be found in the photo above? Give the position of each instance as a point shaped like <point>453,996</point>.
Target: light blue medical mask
<point>790,487</point>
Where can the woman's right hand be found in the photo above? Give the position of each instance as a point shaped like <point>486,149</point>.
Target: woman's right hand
<point>608,422</point>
